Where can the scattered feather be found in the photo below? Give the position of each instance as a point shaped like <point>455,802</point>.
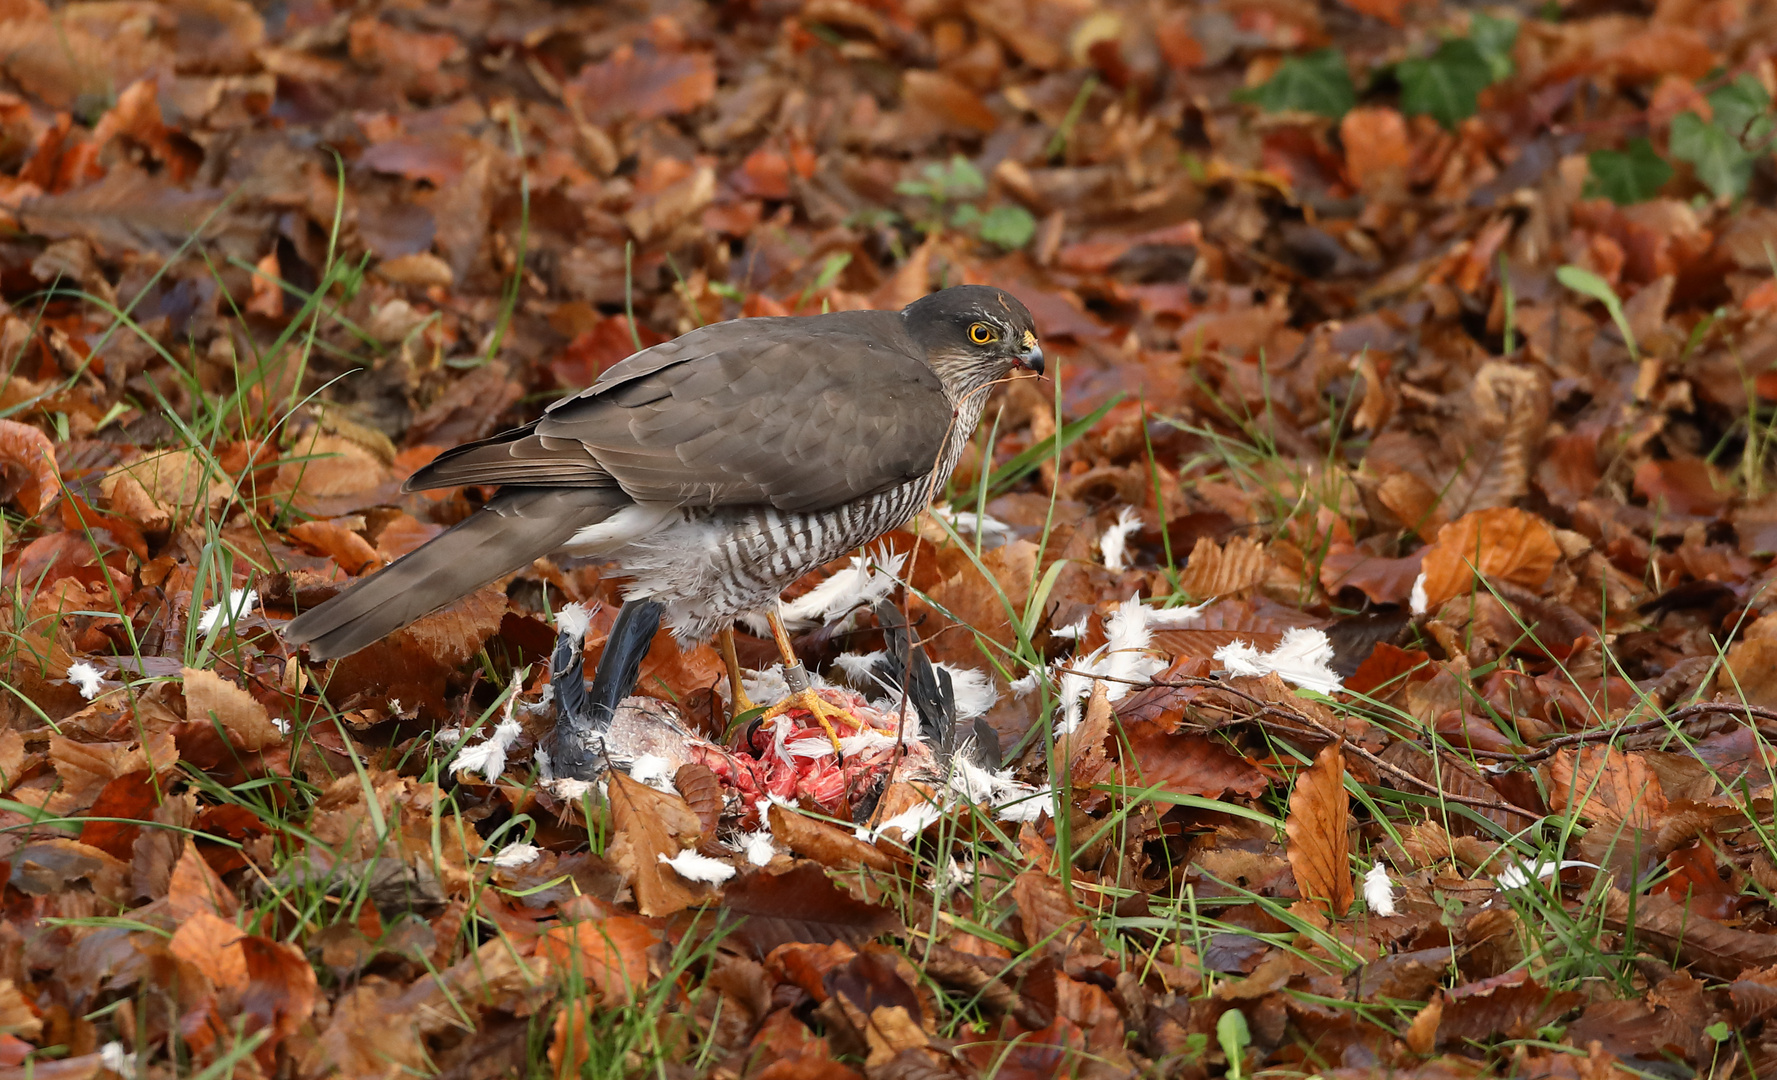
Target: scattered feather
<point>1518,875</point>
<point>1379,891</point>
<point>1419,602</point>
<point>859,668</point>
<point>1113,546</point>
<point>1304,657</point>
<point>573,620</point>
<point>238,606</point>
<point>489,757</point>
<point>910,822</point>
<point>1075,629</point>
<point>1123,662</point>
<point>973,688</point>
<point>653,770</point>
<point>758,847</point>
<point>1027,807</point>
<point>511,855</point>
<point>115,1059</point>
<point>694,867</point>
<point>991,531</point>
<point>1178,618</point>
<point>85,678</point>
<point>1022,686</point>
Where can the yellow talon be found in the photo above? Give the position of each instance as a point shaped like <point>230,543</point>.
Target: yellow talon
<point>811,701</point>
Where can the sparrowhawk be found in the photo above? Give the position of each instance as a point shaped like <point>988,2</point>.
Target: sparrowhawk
<point>714,469</point>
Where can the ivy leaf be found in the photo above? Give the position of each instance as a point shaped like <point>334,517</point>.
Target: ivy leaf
<point>1317,83</point>
<point>1008,225</point>
<point>1496,39</point>
<point>1627,176</point>
<point>1721,162</point>
<point>1741,108</point>
<point>1445,85</point>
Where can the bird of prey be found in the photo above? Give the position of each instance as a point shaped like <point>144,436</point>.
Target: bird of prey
<point>714,469</point>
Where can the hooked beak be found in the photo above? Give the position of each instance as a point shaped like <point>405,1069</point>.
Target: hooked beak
<point>1031,359</point>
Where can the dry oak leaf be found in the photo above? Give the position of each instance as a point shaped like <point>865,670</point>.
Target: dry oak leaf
<point>611,955</point>
<point>648,824</point>
<point>1610,787</point>
<point>801,905</point>
<point>1504,542</point>
<point>326,465</point>
<point>211,698</point>
<point>30,450</point>
<point>352,552</point>
<point>1241,565</point>
<point>1498,432</point>
<point>1319,844</point>
<point>379,1029</point>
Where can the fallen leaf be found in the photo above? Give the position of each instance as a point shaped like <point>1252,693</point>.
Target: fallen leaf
<point>1377,153</point>
<point>801,905</point>
<point>25,448</point>
<point>610,954</point>
<point>1607,786</point>
<point>1319,843</point>
<point>826,844</point>
<point>211,698</point>
<point>1231,569</point>
<point>647,824</point>
<point>1505,543</point>
<point>642,84</point>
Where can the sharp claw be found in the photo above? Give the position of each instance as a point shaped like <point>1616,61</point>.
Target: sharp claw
<point>812,703</point>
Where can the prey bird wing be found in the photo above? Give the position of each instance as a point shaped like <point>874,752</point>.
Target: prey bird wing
<point>798,414</point>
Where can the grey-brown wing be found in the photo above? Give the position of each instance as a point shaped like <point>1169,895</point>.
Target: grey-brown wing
<point>801,414</point>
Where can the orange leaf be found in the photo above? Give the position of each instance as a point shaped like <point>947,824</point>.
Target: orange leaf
<point>1685,486</point>
<point>1610,787</point>
<point>246,721</point>
<point>212,945</point>
<point>1503,542</point>
<point>280,991</point>
<point>610,954</point>
<point>352,552</point>
<point>1319,846</point>
<point>29,449</point>
<point>1389,11</point>
<point>1377,153</point>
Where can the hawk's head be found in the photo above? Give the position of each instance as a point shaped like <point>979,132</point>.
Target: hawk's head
<point>974,334</point>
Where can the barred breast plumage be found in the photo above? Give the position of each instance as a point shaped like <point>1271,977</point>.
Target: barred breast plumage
<point>709,566</point>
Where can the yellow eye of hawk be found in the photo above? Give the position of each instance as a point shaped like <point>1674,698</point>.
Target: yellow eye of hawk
<point>982,334</point>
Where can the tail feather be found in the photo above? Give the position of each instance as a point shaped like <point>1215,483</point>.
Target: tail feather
<point>517,526</point>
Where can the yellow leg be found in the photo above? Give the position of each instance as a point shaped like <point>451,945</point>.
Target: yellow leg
<point>807,698</point>
<point>739,702</point>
